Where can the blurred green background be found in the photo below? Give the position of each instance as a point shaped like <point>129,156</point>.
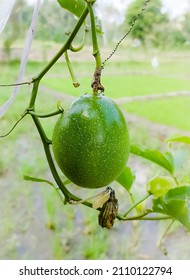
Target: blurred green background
<point>148,78</point>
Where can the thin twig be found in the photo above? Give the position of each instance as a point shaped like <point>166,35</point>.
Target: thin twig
<point>135,204</point>
<point>17,84</point>
<point>4,135</point>
<point>164,250</point>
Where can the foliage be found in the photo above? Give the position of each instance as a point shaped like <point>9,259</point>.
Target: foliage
<point>160,185</point>
<point>150,24</point>
<point>176,203</point>
<point>185,29</point>
<point>169,201</point>
<point>166,161</point>
<point>126,178</point>
<point>50,23</point>
<point>162,32</point>
<point>74,7</point>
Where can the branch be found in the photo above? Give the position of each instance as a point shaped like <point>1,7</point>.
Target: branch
<point>65,47</point>
<point>16,84</point>
<point>135,204</point>
<point>4,135</point>
<point>142,217</point>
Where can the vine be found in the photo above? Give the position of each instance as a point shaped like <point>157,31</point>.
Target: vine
<point>163,203</point>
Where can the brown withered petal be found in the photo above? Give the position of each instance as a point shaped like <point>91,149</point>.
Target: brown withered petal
<point>108,211</point>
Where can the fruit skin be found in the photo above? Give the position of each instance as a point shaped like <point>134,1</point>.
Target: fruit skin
<point>91,141</point>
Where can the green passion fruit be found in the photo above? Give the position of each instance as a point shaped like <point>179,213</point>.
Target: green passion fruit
<point>91,141</point>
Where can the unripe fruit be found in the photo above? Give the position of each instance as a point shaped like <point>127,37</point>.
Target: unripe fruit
<point>91,141</point>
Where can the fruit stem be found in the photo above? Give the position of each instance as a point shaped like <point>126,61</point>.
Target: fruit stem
<point>96,83</point>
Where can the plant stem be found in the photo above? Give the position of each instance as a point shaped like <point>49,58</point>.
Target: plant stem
<point>65,47</point>
<point>16,84</point>
<point>96,83</point>
<point>163,236</point>
<point>156,218</point>
<point>36,80</point>
<point>34,94</point>
<point>175,179</point>
<point>142,217</point>
<point>45,142</point>
<point>135,204</point>
<point>96,51</point>
<point>6,134</point>
<point>136,217</point>
<point>81,46</point>
<point>51,114</point>
<point>166,231</point>
<point>131,197</point>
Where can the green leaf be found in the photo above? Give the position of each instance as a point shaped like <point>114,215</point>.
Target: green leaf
<point>39,180</point>
<point>169,156</point>
<point>180,138</point>
<point>160,185</point>
<point>75,7</point>
<point>155,156</point>
<point>99,30</point>
<point>175,203</point>
<point>98,26</point>
<point>126,178</point>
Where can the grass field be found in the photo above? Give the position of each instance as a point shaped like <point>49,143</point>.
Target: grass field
<point>171,111</point>
<point>122,85</point>
<point>34,223</point>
